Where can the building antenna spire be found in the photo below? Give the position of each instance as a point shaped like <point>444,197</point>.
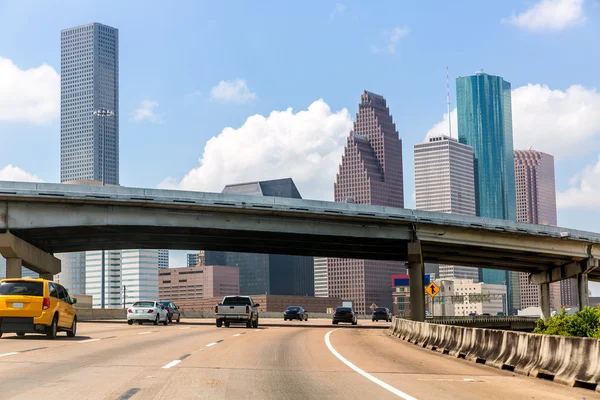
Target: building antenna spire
<point>448,102</point>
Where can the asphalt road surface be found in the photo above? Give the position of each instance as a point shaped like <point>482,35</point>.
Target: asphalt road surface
<point>280,360</point>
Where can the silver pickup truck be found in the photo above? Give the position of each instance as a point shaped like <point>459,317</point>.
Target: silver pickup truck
<point>237,310</point>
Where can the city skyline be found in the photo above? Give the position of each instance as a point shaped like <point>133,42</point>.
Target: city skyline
<point>543,93</point>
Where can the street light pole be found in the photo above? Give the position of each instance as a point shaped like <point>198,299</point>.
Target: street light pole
<point>103,113</point>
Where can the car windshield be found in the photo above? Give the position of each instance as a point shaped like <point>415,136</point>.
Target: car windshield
<point>293,309</point>
<point>380,309</point>
<point>164,303</point>
<point>343,309</point>
<point>22,288</point>
<point>144,304</point>
<point>237,301</point>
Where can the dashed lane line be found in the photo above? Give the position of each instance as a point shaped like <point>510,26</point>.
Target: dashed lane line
<point>9,354</point>
<point>171,364</point>
<point>144,333</point>
<point>370,377</point>
<point>88,341</point>
<point>238,334</point>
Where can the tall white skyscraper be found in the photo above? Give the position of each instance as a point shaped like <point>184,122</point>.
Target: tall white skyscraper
<point>444,182</point>
<point>89,145</point>
<point>112,278</point>
<point>140,274</point>
<point>321,277</point>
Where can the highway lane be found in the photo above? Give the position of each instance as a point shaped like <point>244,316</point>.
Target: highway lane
<point>277,361</point>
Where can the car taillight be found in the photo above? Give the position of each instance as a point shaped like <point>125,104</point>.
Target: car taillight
<point>129,310</point>
<point>150,311</point>
<point>216,309</point>
<point>351,314</point>
<point>334,314</point>
<point>247,309</point>
<point>46,303</point>
<point>168,309</point>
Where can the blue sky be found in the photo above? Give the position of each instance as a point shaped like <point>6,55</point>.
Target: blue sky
<point>189,71</point>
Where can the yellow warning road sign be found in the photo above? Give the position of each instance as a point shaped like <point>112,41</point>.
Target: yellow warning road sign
<point>432,289</point>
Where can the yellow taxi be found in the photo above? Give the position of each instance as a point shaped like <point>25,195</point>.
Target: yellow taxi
<point>36,306</point>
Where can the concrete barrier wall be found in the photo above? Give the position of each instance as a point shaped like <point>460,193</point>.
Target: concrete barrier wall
<point>568,360</point>
<point>95,314</point>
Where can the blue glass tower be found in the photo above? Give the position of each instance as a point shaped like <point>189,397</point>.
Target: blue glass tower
<point>485,123</point>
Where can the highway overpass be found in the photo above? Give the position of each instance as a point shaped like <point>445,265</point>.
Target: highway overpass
<point>39,219</point>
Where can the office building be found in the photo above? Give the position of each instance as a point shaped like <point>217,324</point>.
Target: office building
<point>189,284</point>
<point>2,267</point>
<point>89,145</point>
<point>401,294</point>
<point>479,298</point>
<point>321,277</point>
<point>95,284</point>
<point>89,82</point>
<point>444,182</point>
<point>274,274</point>
<point>370,173</point>
<point>536,204</point>
<point>163,259</point>
<point>485,123</point>
<point>193,259</point>
<point>139,275</point>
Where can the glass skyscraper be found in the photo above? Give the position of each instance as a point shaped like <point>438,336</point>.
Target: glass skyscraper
<point>89,146</point>
<point>485,123</point>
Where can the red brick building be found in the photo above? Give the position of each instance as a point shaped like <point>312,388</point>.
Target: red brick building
<point>370,173</point>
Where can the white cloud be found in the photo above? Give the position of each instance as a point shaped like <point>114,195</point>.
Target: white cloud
<point>306,146</point>
<point>146,111</point>
<point>550,15</point>
<point>29,95</point>
<point>235,91</point>
<point>338,9</point>
<point>442,126</point>
<point>584,192</point>
<point>12,173</point>
<point>391,39</point>
<point>562,123</point>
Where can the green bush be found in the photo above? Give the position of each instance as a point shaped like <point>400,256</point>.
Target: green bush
<point>585,323</point>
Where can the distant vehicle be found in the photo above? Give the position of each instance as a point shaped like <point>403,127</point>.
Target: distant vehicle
<point>36,306</point>
<point>500,314</point>
<point>473,314</point>
<point>237,309</point>
<point>147,311</point>
<point>295,312</point>
<point>486,314</point>
<point>428,314</point>
<point>344,314</point>
<point>172,310</point>
<point>381,313</point>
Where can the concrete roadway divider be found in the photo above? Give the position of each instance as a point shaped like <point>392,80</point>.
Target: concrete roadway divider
<point>571,361</point>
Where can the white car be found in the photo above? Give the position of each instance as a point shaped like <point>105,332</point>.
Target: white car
<point>147,311</point>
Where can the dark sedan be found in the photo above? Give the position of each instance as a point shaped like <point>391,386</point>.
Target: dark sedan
<point>381,313</point>
<point>344,314</point>
<point>172,309</point>
<point>295,312</point>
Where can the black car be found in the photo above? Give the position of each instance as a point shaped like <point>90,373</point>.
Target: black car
<point>344,314</point>
<point>381,313</point>
<point>172,309</point>
<point>295,312</point>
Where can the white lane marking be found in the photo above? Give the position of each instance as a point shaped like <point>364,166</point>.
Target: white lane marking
<point>257,330</point>
<point>211,344</point>
<point>144,333</point>
<point>172,364</point>
<point>8,354</point>
<point>237,334</point>
<point>363,373</point>
<point>89,340</point>
<point>185,328</point>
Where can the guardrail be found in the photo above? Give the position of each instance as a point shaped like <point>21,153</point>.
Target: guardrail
<point>571,361</point>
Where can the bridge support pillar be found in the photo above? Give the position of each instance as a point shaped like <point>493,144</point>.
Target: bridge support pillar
<point>545,300</point>
<point>583,291</point>
<point>417,281</point>
<point>13,267</point>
